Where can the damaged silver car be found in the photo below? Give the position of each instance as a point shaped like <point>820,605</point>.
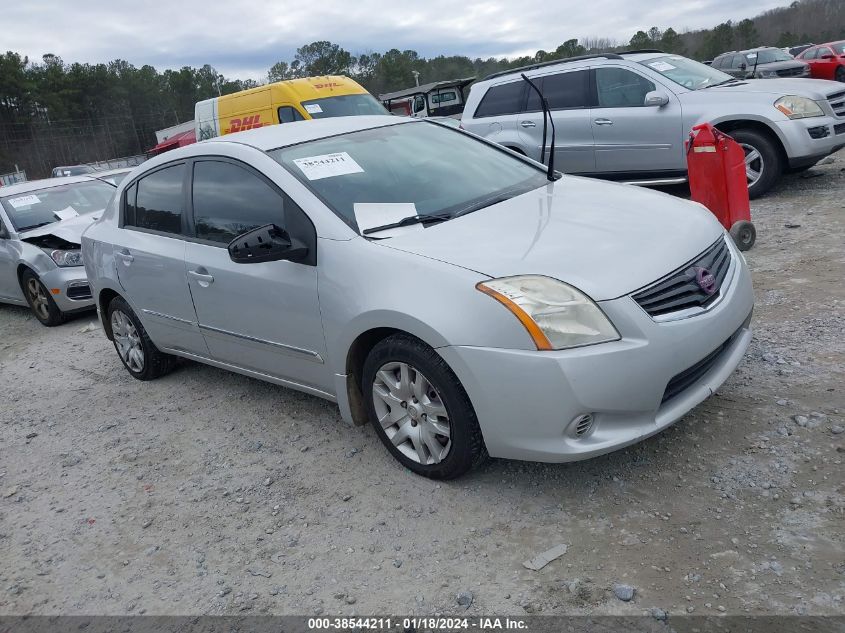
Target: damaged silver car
<point>41,225</point>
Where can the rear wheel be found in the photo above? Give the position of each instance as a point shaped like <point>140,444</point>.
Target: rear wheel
<point>763,163</point>
<point>139,355</point>
<point>40,301</point>
<point>744,234</point>
<point>419,409</point>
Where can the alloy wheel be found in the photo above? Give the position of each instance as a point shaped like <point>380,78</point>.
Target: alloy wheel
<point>412,413</point>
<point>38,298</point>
<point>754,165</point>
<point>127,341</point>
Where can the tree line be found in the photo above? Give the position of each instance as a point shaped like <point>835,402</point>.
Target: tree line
<point>53,112</point>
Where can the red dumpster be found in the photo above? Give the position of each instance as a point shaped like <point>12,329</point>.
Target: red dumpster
<point>717,179</point>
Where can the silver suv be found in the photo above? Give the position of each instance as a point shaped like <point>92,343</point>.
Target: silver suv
<point>626,117</point>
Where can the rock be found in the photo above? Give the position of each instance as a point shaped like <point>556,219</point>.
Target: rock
<point>87,328</point>
<point>624,592</point>
<point>800,420</point>
<point>836,429</point>
<point>225,591</point>
<point>339,595</point>
<point>268,482</point>
<point>147,523</point>
<point>347,497</point>
<point>541,560</point>
<point>8,492</point>
<point>658,614</point>
<point>782,403</point>
<point>32,435</point>
<point>397,563</point>
<point>769,357</point>
<point>464,599</point>
<point>350,600</point>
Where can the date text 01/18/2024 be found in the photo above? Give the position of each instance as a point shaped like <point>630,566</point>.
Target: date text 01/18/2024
<point>421,623</point>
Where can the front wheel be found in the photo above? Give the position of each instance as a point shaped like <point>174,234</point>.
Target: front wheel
<point>763,162</point>
<point>840,74</point>
<point>40,302</point>
<point>419,409</point>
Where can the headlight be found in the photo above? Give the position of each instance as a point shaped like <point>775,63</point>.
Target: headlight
<point>798,107</point>
<point>67,258</point>
<point>555,314</point>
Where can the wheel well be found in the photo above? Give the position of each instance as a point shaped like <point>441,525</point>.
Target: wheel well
<point>21,269</point>
<point>729,126</point>
<point>355,358</point>
<point>103,301</point>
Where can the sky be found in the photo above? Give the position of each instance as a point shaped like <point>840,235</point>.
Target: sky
<point>243,38</point>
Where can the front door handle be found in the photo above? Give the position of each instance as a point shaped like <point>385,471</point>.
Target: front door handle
<point>203,278</point>
<point>124,256</point>
<point>528,124</point>
<point>603,122</point>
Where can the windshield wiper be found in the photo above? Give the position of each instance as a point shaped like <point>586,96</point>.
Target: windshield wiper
<point>721,83</point>
<point>411,219</point>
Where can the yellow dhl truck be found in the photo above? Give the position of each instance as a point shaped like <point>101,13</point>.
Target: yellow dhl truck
<point>283,102</point>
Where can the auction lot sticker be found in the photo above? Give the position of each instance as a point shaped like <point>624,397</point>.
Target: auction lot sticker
<point>24,201</point>
<point>327,165</point>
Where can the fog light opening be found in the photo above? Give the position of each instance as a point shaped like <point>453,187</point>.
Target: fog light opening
<point>582,425</point>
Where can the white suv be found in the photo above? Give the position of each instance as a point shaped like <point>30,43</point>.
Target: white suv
<point>626,117</point>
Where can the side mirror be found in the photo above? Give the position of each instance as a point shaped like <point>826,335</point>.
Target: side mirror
<point>268,243</point>
<point>656,99</point>
<point>743,66</point>
<point>826,57</point>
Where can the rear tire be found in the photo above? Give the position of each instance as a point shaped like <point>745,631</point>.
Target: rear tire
<point>136,351</point>
<point>764,164</point>
<point>744,234</point>
<point>40,302</point>
<point>429,425</point>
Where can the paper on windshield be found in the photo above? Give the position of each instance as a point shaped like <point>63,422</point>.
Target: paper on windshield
<point>24,201</point>
<point>327,165</point>
<point>371,214</point>
<point>66,214</point>
<point>662,67</point>
<point>313,108</point>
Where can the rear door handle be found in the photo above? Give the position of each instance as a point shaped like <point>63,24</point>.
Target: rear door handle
<point>528,124</point>
<point>203,279</point>
<point>125,257</point>
<point>603,122</point>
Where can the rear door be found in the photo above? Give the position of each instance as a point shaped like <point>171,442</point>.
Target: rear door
<point>263,317</point>
<point>150,257</point>
<point>630,136</point>
<point>826,63</point>
<point>568,94</point>
<point>496,115</point>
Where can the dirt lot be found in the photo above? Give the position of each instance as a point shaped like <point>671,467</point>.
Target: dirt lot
<point>207,492</point>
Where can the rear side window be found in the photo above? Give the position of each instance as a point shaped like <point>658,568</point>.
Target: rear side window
<point>720,62</point>
<point>621,88</point>
<point>229,200</point>
<point>810,54</point>
<point>158,201</point>
<point>503,99</point>
<point>563,91</point>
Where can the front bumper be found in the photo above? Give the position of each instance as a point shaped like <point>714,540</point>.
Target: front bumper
<point>802,149</point>
<point>528,402</point>
<point>69,288</point>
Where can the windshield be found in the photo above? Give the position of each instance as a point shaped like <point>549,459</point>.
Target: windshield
<point>412,168</point>
<point>343,105</point>
<point>45,206</point>
<point>768,56</point>
<point>686,72</point>
<point>839,48</point>
<point>114,179</point>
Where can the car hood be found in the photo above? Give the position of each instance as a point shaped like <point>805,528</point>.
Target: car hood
<point>816,89</point>
<point>69,230</point>
<point>605,239</point>
<point>788,63</point>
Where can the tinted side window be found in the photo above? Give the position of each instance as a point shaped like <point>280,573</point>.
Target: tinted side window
<point>718,62</point>
<point>504,99</point>
<point>288,114</point>
<point>129,209</point>
<point>563,91</point>
<point>159,200</point>
<point>621,88</point>
<point>824,51</point>
<point>230,200</point>
<point>737,61</point>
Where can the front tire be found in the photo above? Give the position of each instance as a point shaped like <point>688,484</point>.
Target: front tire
<point>40,302</point>
<point>840,74</point>
<point>744,234</point>
<point>763,162</point>
<point>419,409</point>
<point>136,351</point>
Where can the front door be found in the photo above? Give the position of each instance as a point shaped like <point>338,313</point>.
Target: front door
<point>630,136</point>
<point>10,288</point>
<point>263,317</point>
<point>150,258</point>
<point>569,102</point>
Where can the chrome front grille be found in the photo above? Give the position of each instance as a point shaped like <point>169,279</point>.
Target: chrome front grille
<point>681,291</point>
<point>791,72</point>
<point>837,103</point>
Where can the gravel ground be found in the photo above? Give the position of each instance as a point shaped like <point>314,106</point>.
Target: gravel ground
<point>210,493</point>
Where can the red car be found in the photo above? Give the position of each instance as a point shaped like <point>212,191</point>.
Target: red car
<point>827,61</point>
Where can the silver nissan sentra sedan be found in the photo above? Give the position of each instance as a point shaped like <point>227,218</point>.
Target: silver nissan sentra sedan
<point>432,283</point>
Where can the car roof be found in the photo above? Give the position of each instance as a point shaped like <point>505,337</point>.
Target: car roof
<point>111,172</point>
<point>33,185</point>
<point>275,136</point>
